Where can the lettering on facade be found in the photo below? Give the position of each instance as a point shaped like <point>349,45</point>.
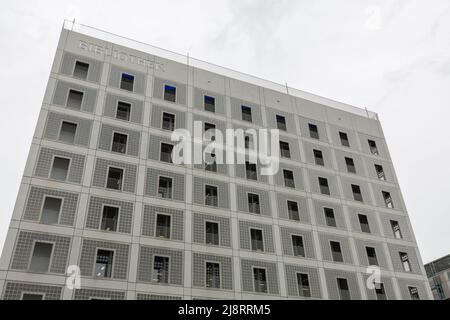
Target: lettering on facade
<point>120,55</point>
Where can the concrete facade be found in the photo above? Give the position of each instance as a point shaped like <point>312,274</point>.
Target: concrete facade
<point>77,235</point>
<point>438,273</point>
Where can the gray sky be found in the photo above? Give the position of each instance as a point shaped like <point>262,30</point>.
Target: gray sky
<point>392,57</point>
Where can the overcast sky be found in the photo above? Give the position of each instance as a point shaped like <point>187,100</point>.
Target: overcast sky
<point>391,56</point>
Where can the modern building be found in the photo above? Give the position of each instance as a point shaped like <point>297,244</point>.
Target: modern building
<point>438,272</point>
<point>99,191</point>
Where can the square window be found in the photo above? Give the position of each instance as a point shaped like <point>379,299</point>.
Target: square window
<point>114,180</point>
<point>163,226</point>
<point>253,203</point>
<point>313,131</point>
<point>356,190</point>
<point>329,217</point>
<point>127,82</point>
<point>318,157</point>
<point>209,103</point>
<point>119,143</point>
<point>250,171</point>
<point>51,210</point>
<point>168,121</point>
<point>161,269</point>
<point>336,251</point>
<point>323,186</point>
<point>259,280</point>
<point>74,99</point>
<point>256,236</point>
<point>350,165</point>
<point>60,168</point>
<point>170,93</point>
<point>104,263</point>
<point>81,70</point>
<point>40,259</point>
<point>293,210</point>
<point>212,275</point>
<point>246,113</point>
<point>297,246</point>
<point>165,187</point>
<point>344,139</point>
<point>211,196</point>
<point>166,152</point>
<point>123,110</point>
<point>212,233</point>
<point>284,149</point>
<point>110,218</point>
<point>288,176</point>
<point>67,132</point>
<point>364,223</point>
<point>281,122</point>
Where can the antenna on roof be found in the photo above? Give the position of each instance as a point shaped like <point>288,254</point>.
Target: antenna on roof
<point>287,88</point>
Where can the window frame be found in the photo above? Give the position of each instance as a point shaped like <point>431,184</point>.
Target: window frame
<point>160,152</point>
<point>205,185</point>
<point>118,217</point>
<point>340,250</point>
<point>159,176</point>
<point>52,164</point>
<point>108,167</point>
<point>206,273</point>
<point>162,120</point>
<point>83,93</point>
<point>250,228</point>
<point>243,114</point>
<point>75,66</point>
<point>253,278</point>
<point>302,237</point>
<point>375,256</point>
<point>204,102</point>
<point>43,204</point>
<point>113,133</point>
<point>168,268</point>
<point>76,123</point>
<point>205,221</point>
<point>248,193</point>
<point>157,213</point>
<point>112,264</point>
<point>298,209</point>
<point>164,92</point>
<point>121,79</point>
<point>117,109</point>
<point>297,273</point>
<point>50,261</point>
<point>284,170</point>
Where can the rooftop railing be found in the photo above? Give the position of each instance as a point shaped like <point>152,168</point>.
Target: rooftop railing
<point>200,64</point>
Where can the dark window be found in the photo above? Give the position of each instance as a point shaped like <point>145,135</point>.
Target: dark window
<point>371,256</point>
<point>356,190</point>
<point>304,289</point>
<point>288,178</point>
<point>32,296</point>
<point>163,226</point>
<point>123,110</point>
<point>380,172</point>
<point>81,70</point>
<point>380,292</point>
<point>281,122</point>
<point>119,143</point>
<point>60,168</point>
<point>212,275</point>
<point>284,149</point>
<point>318,157</point>
<point>256,236</point>
<point>323,186</point>
<point>396,229</point>
<point>40,259</point>
<point>364,223</point>
<point>109,218</point>
<point>413,293</point>
<point>329,217</point>
<point>259,280</point>
<point>74,99</point>
<point>373,147</point>
<point>313,131</point>
<point>350,165</point>
<point>405,261</point>
<point>170,93</point>
<point>253,203</point>
<point>67,133</point>
<point>336,251</point>
<point>344,139</point>
<point>104,263</point>
<point>127,82</point>
<point>166,152</point>
<point>165,187</point>
<point>344,292</point>
<point>210,162</point>
<point>387,199</point>
<point>246,113</point>
<point>210,129</point>
<point>161,269</point>
<point>250,171</point>
<point>114,180</point>
<point>247,142</point>
<point>211,196</point>
<point>297,246</point>
<point>212,233</point>
<point>168,121</point>
<point>210,103</point>
<point>293,210</point>
<point>51,210</point>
